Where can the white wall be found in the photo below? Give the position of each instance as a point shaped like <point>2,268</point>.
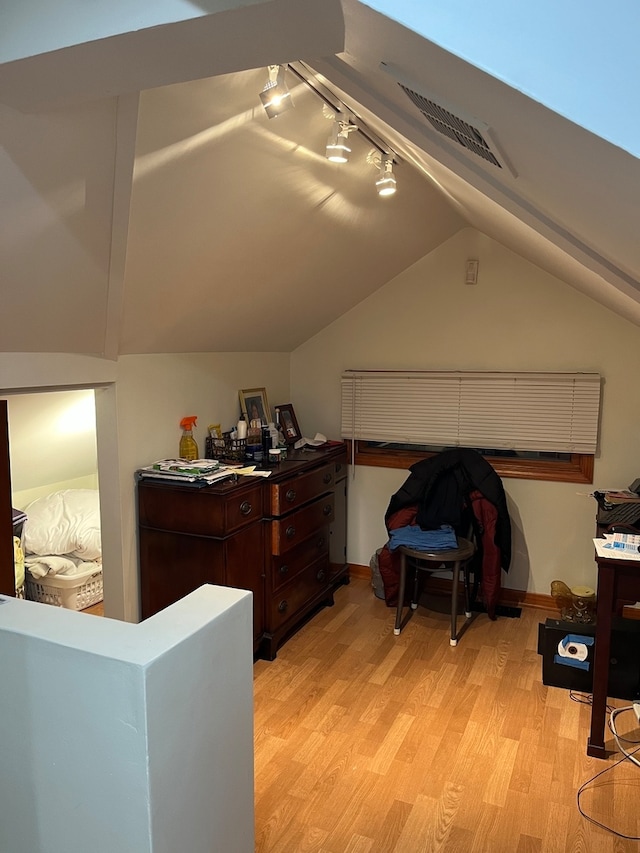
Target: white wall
<point>516,318</point>
<point>76,22</point>
<point>152,394</point>
<point>52,438</point>
<point>56,222</point>
<point>128,738</point>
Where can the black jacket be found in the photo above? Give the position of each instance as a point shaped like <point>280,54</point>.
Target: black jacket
<point>440,486</point>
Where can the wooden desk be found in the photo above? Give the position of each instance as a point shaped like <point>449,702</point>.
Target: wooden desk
<point>618,580</point>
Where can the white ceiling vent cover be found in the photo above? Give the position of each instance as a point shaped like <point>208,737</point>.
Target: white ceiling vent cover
<point>468,132</point>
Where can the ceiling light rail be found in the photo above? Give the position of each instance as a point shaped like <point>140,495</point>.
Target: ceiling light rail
<point>276,98</point>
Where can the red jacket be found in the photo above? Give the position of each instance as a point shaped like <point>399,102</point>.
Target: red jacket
<point>486,562</point>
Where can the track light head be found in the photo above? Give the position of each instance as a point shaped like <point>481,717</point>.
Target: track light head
<point>338,148</point>
<point>386,182</point>
<point>276,97</point>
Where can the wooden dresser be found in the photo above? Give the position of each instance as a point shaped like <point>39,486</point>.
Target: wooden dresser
<point>282,537</point>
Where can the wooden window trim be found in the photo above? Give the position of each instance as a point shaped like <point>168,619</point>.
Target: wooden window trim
<point>578,470</point>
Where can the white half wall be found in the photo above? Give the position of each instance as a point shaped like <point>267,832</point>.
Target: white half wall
<point>128,738</point>
<point>517,317</point>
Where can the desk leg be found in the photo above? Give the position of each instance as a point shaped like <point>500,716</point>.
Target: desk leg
<point>602,655</point>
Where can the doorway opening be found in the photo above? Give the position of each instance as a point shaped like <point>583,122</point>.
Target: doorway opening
<point>54,482</point>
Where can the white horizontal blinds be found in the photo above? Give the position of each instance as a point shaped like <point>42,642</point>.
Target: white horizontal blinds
<point>389,406</point>
<point>513,411</point>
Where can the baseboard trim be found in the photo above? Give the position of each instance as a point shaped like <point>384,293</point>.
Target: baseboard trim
<point>508,597</point>
<point>357,571</point>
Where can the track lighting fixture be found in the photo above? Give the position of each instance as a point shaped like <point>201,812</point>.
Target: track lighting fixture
<point>275,96</point>
<point>386,182</point>
<point>338,148</point>
<point>276,99</point>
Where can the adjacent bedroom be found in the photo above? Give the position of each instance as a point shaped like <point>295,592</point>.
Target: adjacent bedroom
<point>55,499</point>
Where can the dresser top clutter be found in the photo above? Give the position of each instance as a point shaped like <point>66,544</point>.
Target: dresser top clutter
<point>282,536</point>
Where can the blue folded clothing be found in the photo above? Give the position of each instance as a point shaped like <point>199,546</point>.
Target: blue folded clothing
<point>413,536</point>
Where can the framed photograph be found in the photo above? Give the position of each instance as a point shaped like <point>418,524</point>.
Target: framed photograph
<point>254,404</point>
<point>288,423</point>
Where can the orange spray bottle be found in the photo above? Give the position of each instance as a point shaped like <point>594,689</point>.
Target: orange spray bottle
<point>188,445</point>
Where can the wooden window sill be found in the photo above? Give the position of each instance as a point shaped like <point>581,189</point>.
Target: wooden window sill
<point>579,469</point>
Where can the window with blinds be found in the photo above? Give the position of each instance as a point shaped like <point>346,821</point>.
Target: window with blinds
<point>547,412</point>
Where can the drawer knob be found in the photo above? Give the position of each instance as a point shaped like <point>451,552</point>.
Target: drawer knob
<point>291,495</point>
<point>338,467</point>
<point>321,575</point>
<point>326,509</point>
<point>328,477</point>
<point>283,605</point>
<point>320,542</point>
<point>246,508</point>
<point>290,532</point>
<point>283,570</point>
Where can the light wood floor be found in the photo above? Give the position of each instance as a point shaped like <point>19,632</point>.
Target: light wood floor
<point>369,742</point>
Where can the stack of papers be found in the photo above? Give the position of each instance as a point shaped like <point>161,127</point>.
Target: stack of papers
<point>319,441</point>
<point>200,471</point>
<point>618,546</point>
<point>252,471</point>
<point>621,496</point>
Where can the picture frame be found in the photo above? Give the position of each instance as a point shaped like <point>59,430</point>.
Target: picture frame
<point>254,404</point>
<point>288,423</point>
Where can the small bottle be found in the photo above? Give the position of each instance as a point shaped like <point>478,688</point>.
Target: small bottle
<point>242,427</point>
<point>188,445</point>
<point>273,432</point>
<point>266,443</point>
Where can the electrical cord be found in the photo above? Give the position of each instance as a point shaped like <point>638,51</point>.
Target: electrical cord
<point>582,698</point>
<point>626,756</point>
<point>586,699</point>
<point>619,738</point>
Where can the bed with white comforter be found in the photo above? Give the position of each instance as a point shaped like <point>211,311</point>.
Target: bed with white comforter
<point>62,533</point>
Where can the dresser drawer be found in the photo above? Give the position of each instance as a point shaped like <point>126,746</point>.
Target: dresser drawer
<point>242,509</point>
<point>290,531</point>
<point>297,491</point>
<point>293,597</point>
<point>197,511</point>
<point>287,566</point>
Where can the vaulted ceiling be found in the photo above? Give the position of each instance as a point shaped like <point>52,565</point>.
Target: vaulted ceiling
<point>149,204</point>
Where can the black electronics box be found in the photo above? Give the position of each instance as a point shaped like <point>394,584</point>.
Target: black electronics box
<point>573,668</point>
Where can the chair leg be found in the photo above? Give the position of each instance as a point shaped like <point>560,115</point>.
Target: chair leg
<point>454,604</point>
<point>403,576</point>
<point>414,597</point>
<point>467,596</point>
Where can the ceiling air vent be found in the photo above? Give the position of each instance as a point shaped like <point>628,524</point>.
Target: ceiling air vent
<point>453,126</point>
<point>466,131</point>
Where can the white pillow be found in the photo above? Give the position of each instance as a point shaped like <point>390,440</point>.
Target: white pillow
<point>65,522</point>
